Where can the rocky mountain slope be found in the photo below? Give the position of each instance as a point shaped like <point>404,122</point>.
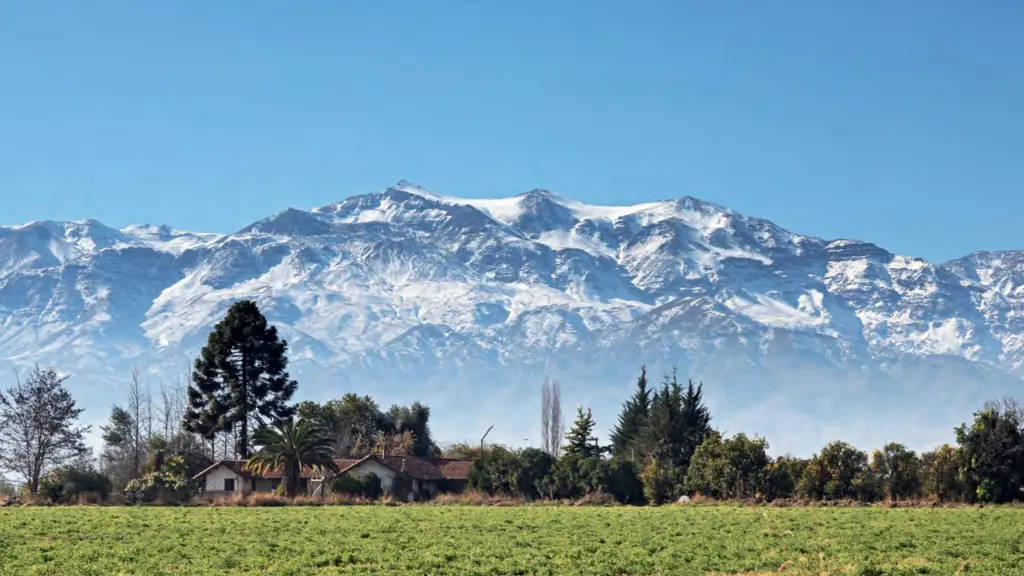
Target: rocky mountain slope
<point>467,304</point>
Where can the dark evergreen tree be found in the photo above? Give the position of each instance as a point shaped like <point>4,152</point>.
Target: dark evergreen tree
<point>240,378</point>
<point>579,439</point>
<point>632,420</point>
<point>664,435</point>
<point>695,420</point>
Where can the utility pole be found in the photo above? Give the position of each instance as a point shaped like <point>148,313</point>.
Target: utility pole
<point>482,440</point>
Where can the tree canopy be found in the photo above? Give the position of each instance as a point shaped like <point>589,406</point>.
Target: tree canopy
<point>240,378</point>
<point>39,427</point>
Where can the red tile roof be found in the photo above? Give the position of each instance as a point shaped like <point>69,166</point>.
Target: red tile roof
<point>411,466</point>
<point>423,468</point>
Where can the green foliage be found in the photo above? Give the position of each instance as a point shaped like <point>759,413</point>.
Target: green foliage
<point>368,486</point>
<point>574,476</point>
<point>497,473</point>
<point>509,472</point>
<point>992,449</point>
<point>168,484</point>
<point>64,485</point>
<point>38,427</point>
<point>678,423</point>
<point>580,439</point>
<point>413,419</point>
<point>462,450</point>
<point>941,474</point>
<point>348,421</point>
<point>897,471</point>
<point>357,425</point>
<point>781,477</point>
<point>240,378</point>
<point>555,541</point>
<point>626,435</point>
<point>728,468</point>
<point>289,447</point>
<point>658,483</point>
<point>839,472</point>
<point>623,482</point>
<point>534,466</point>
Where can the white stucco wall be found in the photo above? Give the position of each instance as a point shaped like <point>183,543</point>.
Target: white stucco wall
<point>215,480</point>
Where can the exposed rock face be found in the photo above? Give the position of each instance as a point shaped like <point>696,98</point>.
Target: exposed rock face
<point>468,303</point>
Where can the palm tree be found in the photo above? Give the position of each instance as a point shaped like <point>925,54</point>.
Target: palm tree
<point>289,447</point>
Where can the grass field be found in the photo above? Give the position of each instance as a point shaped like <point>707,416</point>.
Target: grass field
<point>524,540</point>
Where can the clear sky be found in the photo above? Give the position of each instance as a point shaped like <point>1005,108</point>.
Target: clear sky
<point>899,122</point>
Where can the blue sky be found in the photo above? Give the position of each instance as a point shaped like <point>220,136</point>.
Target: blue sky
<point>896,122</point>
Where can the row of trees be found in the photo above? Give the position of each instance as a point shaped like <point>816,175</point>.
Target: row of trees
<point>652,445</point>
<point>663,447</point>
<point>238,404</point>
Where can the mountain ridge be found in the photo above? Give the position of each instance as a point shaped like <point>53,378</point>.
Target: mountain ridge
<point>404,291</point>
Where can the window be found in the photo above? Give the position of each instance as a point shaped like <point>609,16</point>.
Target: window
<point>229,484</point>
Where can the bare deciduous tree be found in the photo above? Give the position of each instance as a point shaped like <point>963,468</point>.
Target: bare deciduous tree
<point>557,425</point>
<point>552,428</point>
<point>38,427</point>
<point>138,398</point>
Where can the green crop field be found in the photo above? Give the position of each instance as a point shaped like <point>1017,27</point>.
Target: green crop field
<point>524,540</point>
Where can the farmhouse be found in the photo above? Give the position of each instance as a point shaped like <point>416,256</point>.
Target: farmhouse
<point>401,477</point>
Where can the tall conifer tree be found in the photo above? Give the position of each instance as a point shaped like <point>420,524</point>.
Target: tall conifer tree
<point>695,420</point>
<point>633,419</point>
<point>240,378</point>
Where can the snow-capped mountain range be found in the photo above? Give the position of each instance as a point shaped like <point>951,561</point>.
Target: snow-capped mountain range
<point>467,304</point>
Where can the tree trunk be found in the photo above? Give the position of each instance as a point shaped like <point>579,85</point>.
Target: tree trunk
<point>243,448</point>
<point>290,484</point>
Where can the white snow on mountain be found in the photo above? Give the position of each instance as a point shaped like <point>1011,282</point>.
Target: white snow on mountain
<point>406,294</point>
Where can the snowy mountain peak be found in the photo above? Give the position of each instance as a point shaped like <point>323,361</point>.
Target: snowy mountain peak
<point>410,290</point>
<point>410,188</point>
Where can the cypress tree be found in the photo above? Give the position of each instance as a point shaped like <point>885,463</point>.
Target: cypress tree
<point>663,435</point>
<point>633,418</point>
<point>695,420</point>
<point>240,377</point>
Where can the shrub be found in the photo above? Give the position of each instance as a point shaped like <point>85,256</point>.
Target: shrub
<point>727,468</point>
<point>941,476</point>
<point>657,483</point>
<point>573,476</point>
<point>368,486</point>
<point>839,472</point>
<point>623,483</point>
<point>260,499</point>
<point>67,484</point>
<point>781,477</point>
<point>166,486</point>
